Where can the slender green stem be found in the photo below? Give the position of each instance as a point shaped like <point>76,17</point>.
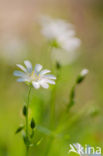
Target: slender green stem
<point>27,150</point>
<point>27,134</point>
<point>52,114</point>
<point>53,96</point>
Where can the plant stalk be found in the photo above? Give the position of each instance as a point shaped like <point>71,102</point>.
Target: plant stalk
<point>27,120</point>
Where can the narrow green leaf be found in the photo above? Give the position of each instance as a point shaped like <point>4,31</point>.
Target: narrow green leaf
<point>19,129</point>
<point>44,130</point>
<point>38,143</point>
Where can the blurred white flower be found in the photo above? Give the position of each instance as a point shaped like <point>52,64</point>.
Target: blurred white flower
<point>61,36</point>
<point>36,76</point>
<point>63,57</point>
<point>12,48</point>
<point>61,33</point>
<point>84,72</point>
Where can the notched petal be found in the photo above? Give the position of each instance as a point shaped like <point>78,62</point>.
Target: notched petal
<point>36,85</point>
<point>28,65</point>
<point>21,67</point>
<point>18,73</point>
<point>49,76</point>
<point>38,68</point>
<point>45,71</point>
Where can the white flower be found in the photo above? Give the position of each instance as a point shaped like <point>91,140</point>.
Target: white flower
<point>12,48</point>
<point>36,76</point>
<point>63,57</point>
<point>84,72</point>
<point>60,33</point>
<point>61,36</point>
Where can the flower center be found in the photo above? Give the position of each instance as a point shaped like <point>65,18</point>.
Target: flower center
<point>34,76</point>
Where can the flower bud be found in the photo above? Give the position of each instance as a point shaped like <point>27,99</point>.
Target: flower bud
<point>24,110</point>
<point>84,72</point>
<point>32,123</point>
<point>82,75</point>
<point>26,139</point>
<point>58,66</point>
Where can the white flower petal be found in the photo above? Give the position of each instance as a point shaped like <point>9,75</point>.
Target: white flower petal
<point>49,81</point>
<point>28,65</point>
<point>38,67</point>
<point>44,85</point>
<point>21,80</point>
<point>36,85</point>
<point>84,72</point>
<point>70,44</point>
<point>63,33</point>
<point>45,71</point>
<point>18,73</point>
<point>21,67</point>
<point>49,76</point>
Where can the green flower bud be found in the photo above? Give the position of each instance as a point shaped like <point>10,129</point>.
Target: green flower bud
<point>82,75</point>
<point>24,110</point>
<point>32,123</point>
<point>58,66</point>
<point>26,139</point>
